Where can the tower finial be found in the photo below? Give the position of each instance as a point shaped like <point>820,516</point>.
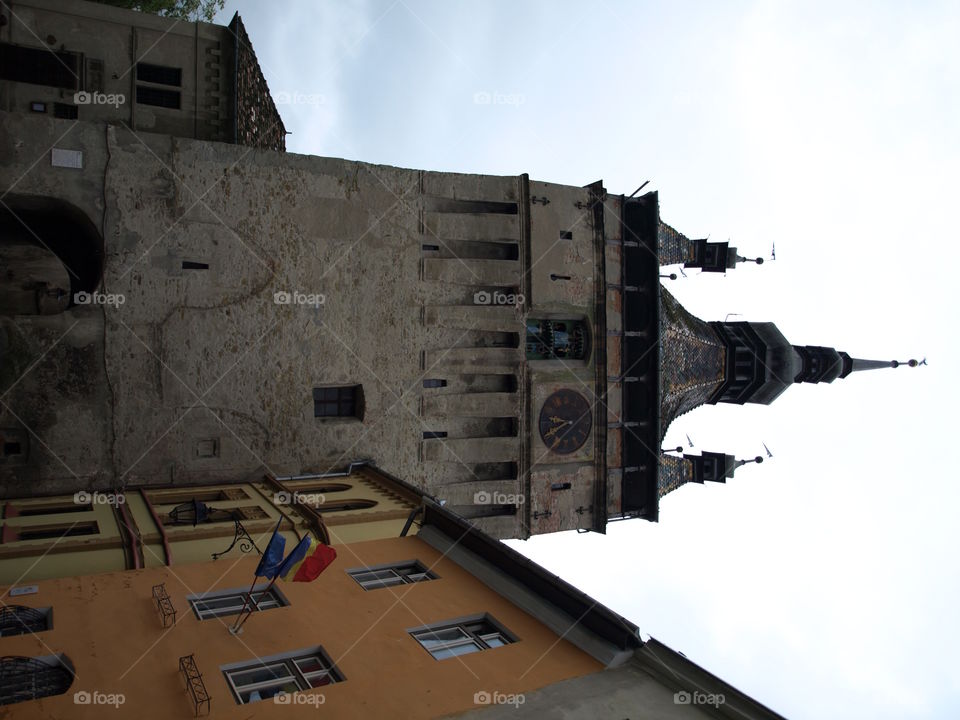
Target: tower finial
<point>856,364</point>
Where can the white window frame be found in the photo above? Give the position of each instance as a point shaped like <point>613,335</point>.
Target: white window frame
<point>477,633</point>
<point>289,664</point>
<point>391,574</point>
<point>273,599</point>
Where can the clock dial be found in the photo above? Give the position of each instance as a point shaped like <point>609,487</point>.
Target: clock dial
<point>565,421</point>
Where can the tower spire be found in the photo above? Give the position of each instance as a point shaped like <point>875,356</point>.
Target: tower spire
<point>823,364</point>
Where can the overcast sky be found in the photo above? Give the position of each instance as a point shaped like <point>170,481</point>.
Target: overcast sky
<point>825,582</point>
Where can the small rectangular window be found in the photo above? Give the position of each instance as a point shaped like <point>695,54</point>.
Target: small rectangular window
<point>566,235</point>
<point>200,494</point>
<point>434,383</point>
<point>158,97</point>
<point>40,66</point>
<point>55,532</point>
<point>434,434</point>
<point>52,509</point>
<point>336,401</point>
<point>223,603</point>
<point>447,640</point>
<point>159,74</point>
<point>390,575</point>
<point>65,111</point>
<point>265,678</point>
<point>193,265</point>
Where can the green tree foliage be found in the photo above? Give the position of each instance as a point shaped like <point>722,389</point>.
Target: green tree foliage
<point>183,9</point>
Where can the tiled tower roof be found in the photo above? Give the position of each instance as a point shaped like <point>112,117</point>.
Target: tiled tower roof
<point>674,472</point>
<point>692,361</point>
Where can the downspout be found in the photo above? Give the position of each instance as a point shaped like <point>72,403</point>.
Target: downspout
<point>319,476</point>
<point>167,557</point>
<point>413,513</point>
<point>132,537</point>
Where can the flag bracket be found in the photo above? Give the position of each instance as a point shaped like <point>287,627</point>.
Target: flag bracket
<point>241,536</point>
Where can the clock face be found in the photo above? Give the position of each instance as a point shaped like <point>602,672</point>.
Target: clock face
<point>565,421</point>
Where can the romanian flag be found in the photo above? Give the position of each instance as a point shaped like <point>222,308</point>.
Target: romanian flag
<point>307,561</point>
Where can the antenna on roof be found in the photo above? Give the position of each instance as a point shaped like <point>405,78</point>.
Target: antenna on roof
<point>689,441</point>
<point>639,189</point>
<point>769,454</point>
<point>773,251</point>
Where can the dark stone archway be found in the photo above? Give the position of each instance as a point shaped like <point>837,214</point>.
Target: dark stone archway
<point>59,227</point>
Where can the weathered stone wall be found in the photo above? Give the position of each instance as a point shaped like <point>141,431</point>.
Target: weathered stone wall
<point>203,243</point>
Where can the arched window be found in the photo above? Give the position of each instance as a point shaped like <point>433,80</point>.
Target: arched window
<point>346,504</point>
<point>321,488</point>
<point>557,340</point>
<point>26,678</point>
<point>20,620</point>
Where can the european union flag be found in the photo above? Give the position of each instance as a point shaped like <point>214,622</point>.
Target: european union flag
<point>269,566</point>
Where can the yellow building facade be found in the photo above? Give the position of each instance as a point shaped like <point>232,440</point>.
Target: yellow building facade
<point>95,532</point>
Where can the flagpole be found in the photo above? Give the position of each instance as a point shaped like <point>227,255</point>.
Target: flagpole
<point>256,606</point>
<point>249,596</point>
